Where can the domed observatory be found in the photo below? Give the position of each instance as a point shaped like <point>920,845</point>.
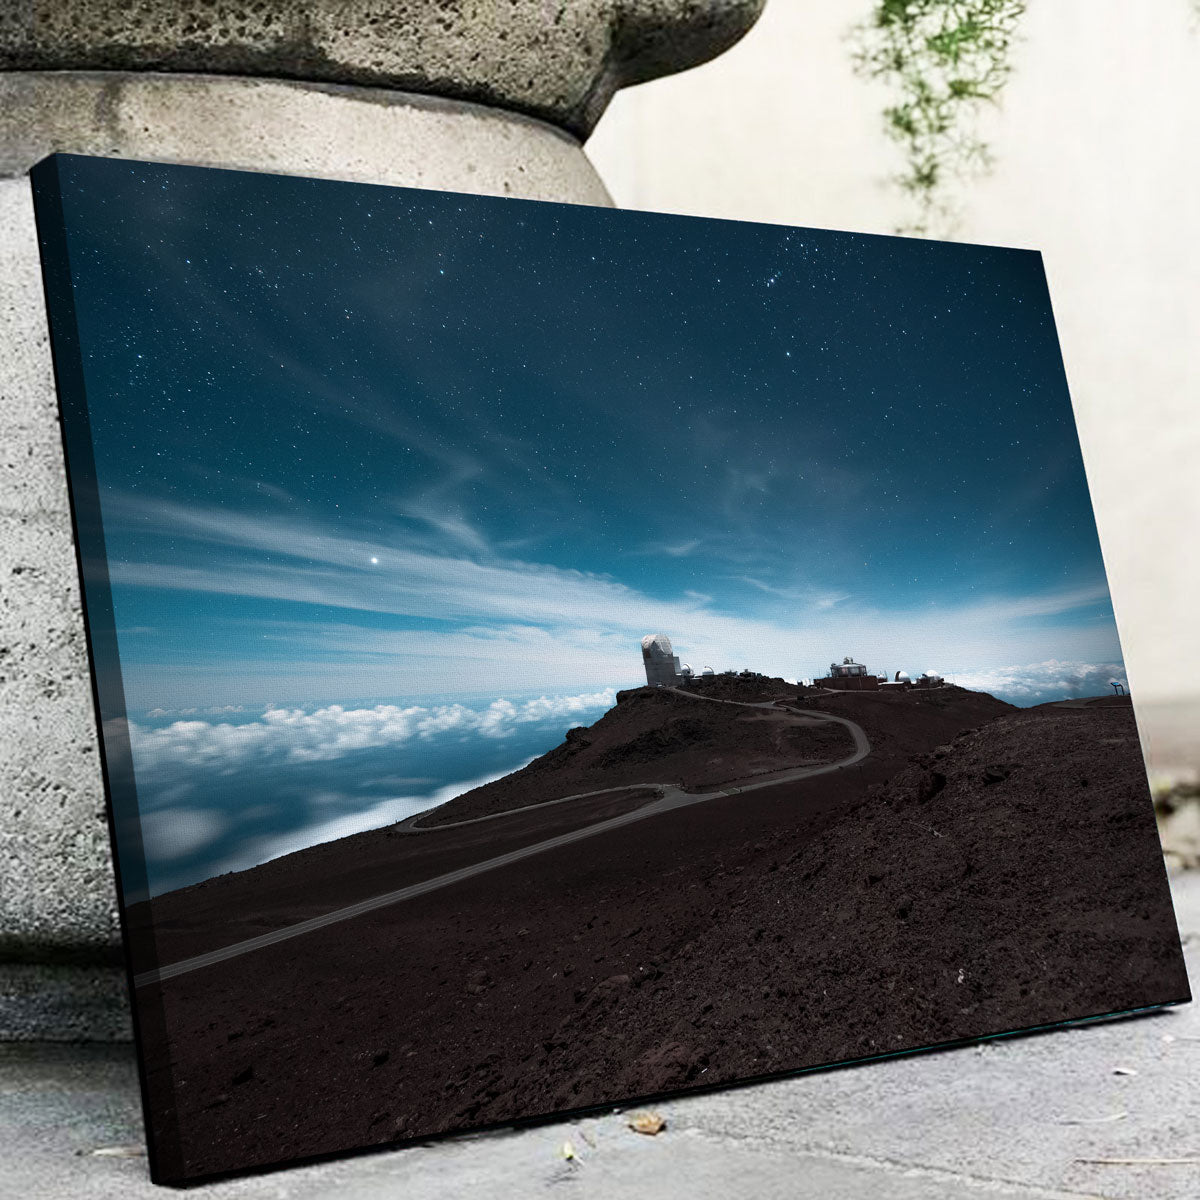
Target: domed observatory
<point>850,676</point>
<point>662,666</point>
<point>846,669</point>
<point>902,682</point>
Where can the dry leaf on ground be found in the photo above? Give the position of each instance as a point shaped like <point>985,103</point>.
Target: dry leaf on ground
<point>648,1123</point>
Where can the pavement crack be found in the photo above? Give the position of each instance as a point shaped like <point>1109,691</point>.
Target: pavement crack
<point>996,1185</point>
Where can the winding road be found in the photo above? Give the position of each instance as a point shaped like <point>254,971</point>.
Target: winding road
<point>670,797</point>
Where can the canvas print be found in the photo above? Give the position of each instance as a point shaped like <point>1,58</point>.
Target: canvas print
<point>550,657</point>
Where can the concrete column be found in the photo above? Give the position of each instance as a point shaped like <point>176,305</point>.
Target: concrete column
<point>476,95</point>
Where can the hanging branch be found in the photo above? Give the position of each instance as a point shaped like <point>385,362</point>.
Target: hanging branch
<point>945,59</point>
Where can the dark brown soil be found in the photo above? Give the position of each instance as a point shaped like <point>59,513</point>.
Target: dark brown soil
<point>746,689</point>
<point>230,908</point>
<point>902,721</point>
<point>1001,879</point>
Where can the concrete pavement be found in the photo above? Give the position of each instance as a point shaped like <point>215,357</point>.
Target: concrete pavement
<point>1018,1117</point>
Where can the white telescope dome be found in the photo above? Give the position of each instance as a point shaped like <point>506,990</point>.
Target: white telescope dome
<point>657,641</point>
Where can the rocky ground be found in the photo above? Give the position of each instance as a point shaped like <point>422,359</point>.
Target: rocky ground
<point>985,869</point>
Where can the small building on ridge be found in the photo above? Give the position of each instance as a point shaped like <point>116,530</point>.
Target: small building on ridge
<point>849,676</point>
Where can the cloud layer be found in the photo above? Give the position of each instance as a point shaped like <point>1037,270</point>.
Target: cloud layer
<point>292,735</point>
<point>1049,680</point>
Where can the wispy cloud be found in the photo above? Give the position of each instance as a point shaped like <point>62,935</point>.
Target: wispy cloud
<point>1046,604</point>
<point>438,508</point>
<point>502,623</point>
<point>809,597</point>
<point>385,812</point>
<point>676,549</point>
<point>179,832</point>
<point>830,600</point>
<point>213,710</point>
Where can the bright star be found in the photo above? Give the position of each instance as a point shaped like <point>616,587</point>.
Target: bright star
<point>374,561</point>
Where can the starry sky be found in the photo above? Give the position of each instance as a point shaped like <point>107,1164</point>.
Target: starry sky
<point>363,446</point>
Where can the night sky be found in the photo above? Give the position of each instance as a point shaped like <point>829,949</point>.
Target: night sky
<point>367,446</point>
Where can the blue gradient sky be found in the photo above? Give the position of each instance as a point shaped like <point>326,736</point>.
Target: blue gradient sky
<point>362,446</point>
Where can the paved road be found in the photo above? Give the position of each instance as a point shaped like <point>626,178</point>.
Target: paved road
<point>670,798</point>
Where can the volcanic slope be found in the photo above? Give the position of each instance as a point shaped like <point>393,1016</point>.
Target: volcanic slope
<point>660,735</point>
<point>296,887</point>
<point>1005,878</point>
<point>1008,879</point>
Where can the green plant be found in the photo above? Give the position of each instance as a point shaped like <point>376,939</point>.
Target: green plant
<point>945,59</point>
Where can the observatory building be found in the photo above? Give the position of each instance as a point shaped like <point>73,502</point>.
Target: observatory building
<point>662,665</point>
<point>849,676</point>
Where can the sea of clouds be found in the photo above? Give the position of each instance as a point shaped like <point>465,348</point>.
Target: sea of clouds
<point>226,788</point>
<point>1039,683</point>
<point>240,788</point>
<point>295,735</point>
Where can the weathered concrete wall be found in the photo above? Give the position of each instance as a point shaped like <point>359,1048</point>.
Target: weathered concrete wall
<point>560,60</point>
<point>270,125</point>
<point>285,86</point>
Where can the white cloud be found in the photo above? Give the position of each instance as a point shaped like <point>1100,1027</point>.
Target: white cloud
<point>173,833</point>
<point>296,736</point>
<point>793,594</point>
<point>437,509</point>
<point>378,815</point>
<point>213,710</point>
<point>1045,678</point>
<point>504,625</point>
<point>1046,604</point>
<point>678,549</point>
<point>808,597</point>
<point>831,600</point>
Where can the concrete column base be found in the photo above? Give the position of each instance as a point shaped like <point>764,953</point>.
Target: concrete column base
<point>57,901</point>
<point>369,134</point>
<point>75,1003</point>
<point>326,88</point>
